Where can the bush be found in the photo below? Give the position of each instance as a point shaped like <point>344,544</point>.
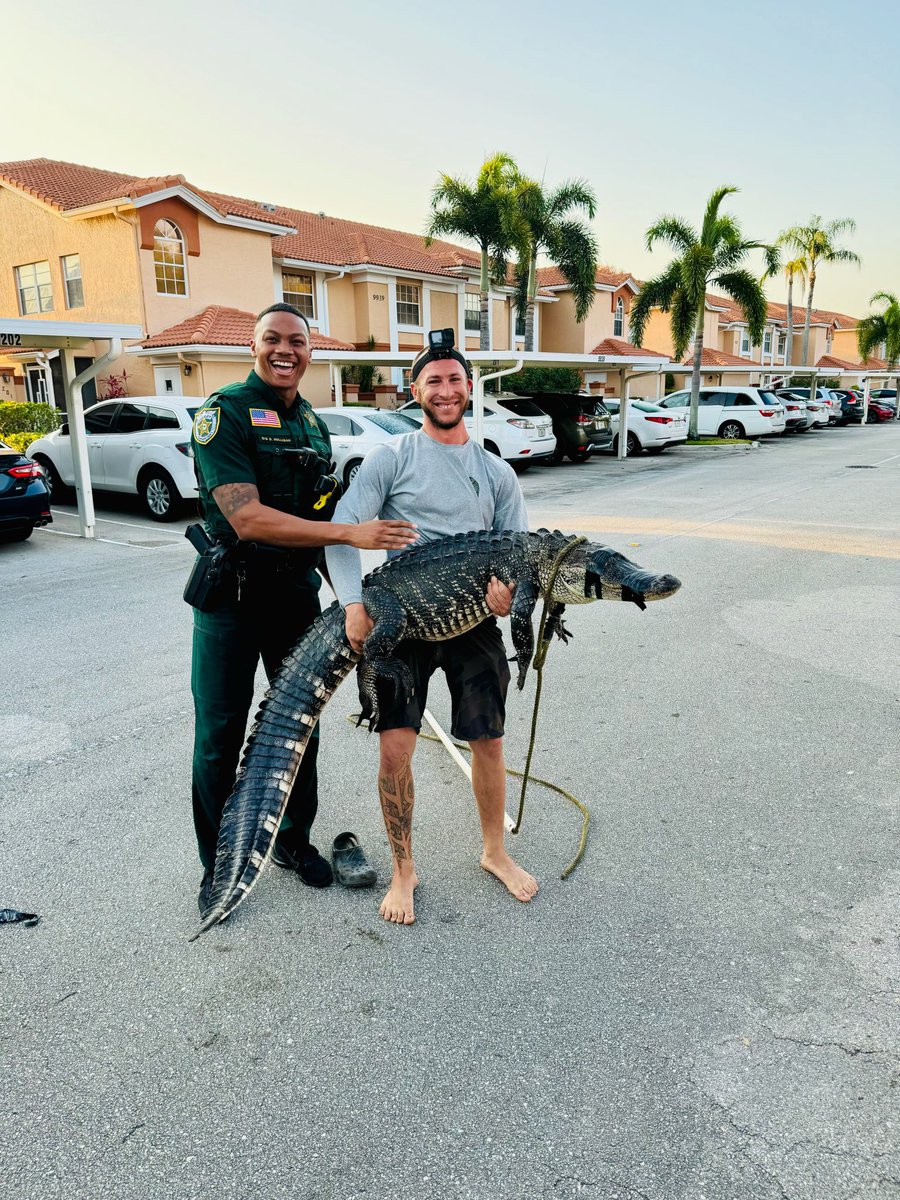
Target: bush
<point>19,441</point>
<point>16,417</point>
<point>543,379</point>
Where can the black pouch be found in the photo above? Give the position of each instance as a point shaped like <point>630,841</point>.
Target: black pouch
<point>206,585</point>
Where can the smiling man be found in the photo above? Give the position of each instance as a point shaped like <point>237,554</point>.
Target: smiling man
<point>447,484</point>
<point>260,456</point>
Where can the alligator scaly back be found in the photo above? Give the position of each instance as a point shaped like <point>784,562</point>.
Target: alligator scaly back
<point>284,724</point>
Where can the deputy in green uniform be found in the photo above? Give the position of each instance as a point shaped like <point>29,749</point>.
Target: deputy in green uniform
<point>257,495</point>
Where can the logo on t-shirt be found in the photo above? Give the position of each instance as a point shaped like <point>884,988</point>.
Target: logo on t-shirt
<point>474,483</point>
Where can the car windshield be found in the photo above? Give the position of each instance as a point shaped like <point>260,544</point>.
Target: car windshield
<point>521,405</point>
<point>394,422</point>
<point>769,398</point>
<point>645,407</point>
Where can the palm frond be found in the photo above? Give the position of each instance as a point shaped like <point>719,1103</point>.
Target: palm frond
<point>744,289</point>
<point>573,193</point>
<point>684,320</point>
<point>696,268</point>
<point>673,230</point>
<point>655,293</point>
<point>573,249</point>
<point>711,216</point>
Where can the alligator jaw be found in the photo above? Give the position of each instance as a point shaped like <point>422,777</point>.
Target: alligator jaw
<point>637,586</point>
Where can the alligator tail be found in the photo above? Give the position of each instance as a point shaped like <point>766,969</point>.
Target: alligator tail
<point>307,679</point>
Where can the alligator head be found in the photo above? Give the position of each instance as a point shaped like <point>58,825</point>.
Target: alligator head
<point>591,572</point>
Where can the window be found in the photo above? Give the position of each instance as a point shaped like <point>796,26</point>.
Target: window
<point>71,273</point>
<point>828,339</point>
<point>619,319</point>
<point>394,422</point>
<point>34,288</point>
<point>473,311</point>
<point>162,418</point>
<point>99,420</point>
<point>767,342</point>
<point>168,259</point>
<point>782,344</point>
<point>745,343</point>
<point>340,426</point>
<point>408,304</point>
<point>131,418</point>
<point>520,326</point>
<point>299,290</point>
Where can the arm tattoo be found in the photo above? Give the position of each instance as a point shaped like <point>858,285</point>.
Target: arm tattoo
<point>397,798</point>
<point>232,496</point>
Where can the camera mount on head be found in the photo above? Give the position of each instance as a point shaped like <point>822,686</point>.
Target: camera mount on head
<point>441,344</point>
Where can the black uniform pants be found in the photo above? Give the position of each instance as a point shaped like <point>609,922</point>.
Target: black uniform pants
<point>274,609</point>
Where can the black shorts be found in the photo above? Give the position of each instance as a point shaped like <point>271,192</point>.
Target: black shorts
<point>477,675</point>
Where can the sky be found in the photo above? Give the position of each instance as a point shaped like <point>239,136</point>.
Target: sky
<point>354,108</point>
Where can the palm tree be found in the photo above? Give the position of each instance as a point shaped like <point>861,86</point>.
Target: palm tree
<point>878,328</point>
<point>488,214</point>
<point>816,243</point>
<point>713,257</point>
<point>795,269</point>
<point>566,241</point>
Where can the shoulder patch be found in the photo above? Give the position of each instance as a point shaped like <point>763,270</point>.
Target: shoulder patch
<point>206,425</point>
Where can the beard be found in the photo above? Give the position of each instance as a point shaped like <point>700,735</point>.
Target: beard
<point>442,420</point>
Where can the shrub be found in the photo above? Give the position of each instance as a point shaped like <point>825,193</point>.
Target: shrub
<point>19,441</point>
<point>543,379</point>
<point>16,417</point>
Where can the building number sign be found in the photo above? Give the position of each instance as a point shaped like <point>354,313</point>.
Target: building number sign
<point>378,295</point>
<point>10,339</point>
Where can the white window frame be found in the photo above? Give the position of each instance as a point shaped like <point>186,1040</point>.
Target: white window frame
<point>311,296</point>
<point>70,277</point>
<point>767,342</point>
<point>782,345</point>
<point>170,269</point>
<point>619,319</point>
<point>744,351</point>
<point>42,288</point>
<point>473,298</point>
<point>404,286</point>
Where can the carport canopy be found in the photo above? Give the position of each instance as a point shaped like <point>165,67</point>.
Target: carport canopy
<point>67,337</point>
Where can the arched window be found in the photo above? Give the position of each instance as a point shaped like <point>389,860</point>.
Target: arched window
<point>168,259</point>
<point>619,319</point>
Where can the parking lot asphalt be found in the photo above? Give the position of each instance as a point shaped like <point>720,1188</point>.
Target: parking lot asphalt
<point>707,1009</point>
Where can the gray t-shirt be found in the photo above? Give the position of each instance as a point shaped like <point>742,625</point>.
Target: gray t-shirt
<point>444,489</point>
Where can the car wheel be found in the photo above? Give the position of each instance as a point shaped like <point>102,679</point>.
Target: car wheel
<point>633,446</point>
<point>159,493</point>
<point>58,490</point>
<point>556,457</point>
<point>350,470</point>
<point>731,430</point>
<point>655,449</point>
<point>17,535</point>
<point>519,466</point>
<point>491,448</point>
<point>580,456</point>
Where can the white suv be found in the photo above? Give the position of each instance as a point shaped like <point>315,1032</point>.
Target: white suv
<point>521,437</point>
<point>140,444</point>
<point>732,412</point>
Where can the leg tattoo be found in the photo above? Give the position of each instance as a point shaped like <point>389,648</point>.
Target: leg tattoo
<point>397,798</point>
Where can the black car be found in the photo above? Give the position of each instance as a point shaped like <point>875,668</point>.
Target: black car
<point>581,424</point>
<point>24,496</point>
<point>851,406</point>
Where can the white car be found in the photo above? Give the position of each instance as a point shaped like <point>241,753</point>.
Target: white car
<point>356,430</point>
<point>650,427</point>
<point>520,437</point>
<point>728,412</point>
<point>140,445</point>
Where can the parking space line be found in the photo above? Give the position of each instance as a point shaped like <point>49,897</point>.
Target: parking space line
<point>103,520</point>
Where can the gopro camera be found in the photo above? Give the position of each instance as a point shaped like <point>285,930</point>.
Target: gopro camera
<point>440,342</point>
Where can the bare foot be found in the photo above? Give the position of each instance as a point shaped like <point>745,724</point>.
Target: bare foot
<point>522,885</point>
<point>397,906</point>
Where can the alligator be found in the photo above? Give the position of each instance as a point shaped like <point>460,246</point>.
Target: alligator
<point>432,591</point>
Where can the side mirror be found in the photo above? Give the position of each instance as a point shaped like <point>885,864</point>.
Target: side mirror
<point>64,429</point>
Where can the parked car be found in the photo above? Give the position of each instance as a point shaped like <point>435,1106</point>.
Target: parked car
<point>356,430</point>
<point>825,405</point>
<point>650,427</point>
<point>850,406</point>
<point>581,424</point>
<point>886,397</point>
<point>818,413</point>
<point>879,411</point>
<point>24,496</point>
<point>520,439</point>
<point>141,445</point>
<point>795,415</point>
<point>728,412</point>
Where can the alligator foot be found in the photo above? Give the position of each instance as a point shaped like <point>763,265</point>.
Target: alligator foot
<point>367,681</point>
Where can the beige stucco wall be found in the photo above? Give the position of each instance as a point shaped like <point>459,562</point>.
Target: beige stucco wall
<point>500,328</point>
<point>341,310</point>
<point>233,268</point>
<point>844,345</point>
<point>372,313</point>
<point>107,249</point>
<point>444,312</point>
<point>559,333</point>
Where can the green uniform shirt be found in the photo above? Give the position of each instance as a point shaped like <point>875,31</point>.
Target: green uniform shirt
<point>241,435</point>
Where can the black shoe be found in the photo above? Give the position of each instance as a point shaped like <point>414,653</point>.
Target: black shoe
<point>305,859</point>
<point>205,888</point>
<point>350,866</point>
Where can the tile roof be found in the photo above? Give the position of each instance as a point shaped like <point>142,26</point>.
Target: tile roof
<point>218,326</point>
<point>66,186</point>
<point>553,277</point>
<point>778,313</point>
<point>710,357</point>
<point>625,349</point>
<point>842,364</point>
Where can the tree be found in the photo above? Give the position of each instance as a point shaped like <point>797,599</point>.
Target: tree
<point>712,257</point>
<point>797,268</point>
<point>488,214</point>
<point>816,243</point>
<point>878,328</point>
<point>554,231</point>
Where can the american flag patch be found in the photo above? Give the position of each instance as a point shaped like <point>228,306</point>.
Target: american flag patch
<point>265,416</point>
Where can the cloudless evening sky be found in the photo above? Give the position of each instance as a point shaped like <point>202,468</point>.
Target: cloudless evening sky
<point>354,108</point>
